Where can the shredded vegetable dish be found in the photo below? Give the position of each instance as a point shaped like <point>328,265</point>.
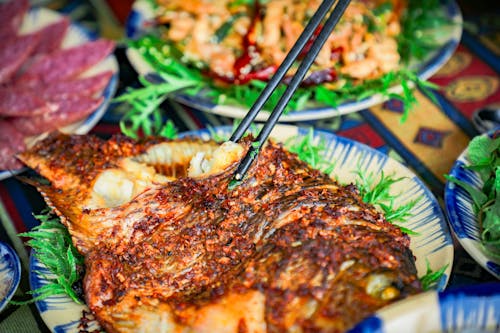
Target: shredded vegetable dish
<point>237,41</point>
<point>227,50</point>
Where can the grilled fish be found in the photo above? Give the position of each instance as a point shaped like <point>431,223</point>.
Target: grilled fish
<point>170,247</point>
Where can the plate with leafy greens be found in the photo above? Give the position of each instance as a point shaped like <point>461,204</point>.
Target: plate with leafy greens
<point>472,200</point>
<point>55,270</point>
<point>379,50</point>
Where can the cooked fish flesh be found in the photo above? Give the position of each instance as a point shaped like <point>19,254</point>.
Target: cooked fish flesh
<point>170,247</point>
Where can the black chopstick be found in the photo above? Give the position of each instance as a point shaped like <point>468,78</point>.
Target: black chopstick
<point>297,78</point>
<point>294,52</point>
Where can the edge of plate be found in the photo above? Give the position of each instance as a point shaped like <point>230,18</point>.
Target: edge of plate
<point>473,308</point>
<point>460,214</point>
<point>13,268</point>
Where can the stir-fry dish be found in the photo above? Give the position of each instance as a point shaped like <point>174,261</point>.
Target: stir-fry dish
<point>226,51</point>
<point>237,41</point>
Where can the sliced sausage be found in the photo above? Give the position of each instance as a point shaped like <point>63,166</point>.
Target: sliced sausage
<point>67,63</point>
<point>86,86</point>
<point>11,143</point>
<point>69,110</point>
<point>20,102</point>
<point>11,16</point>
<point>14,53</point>
<point>51,36</point>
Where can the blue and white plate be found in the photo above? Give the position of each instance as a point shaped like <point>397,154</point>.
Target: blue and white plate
<point>141,20</point>
<point>461,216</point>
<point>10,273</point>
<point>60,313</point>
<point>38,17</point>
<point>433,244</point>
<point>474,308</point>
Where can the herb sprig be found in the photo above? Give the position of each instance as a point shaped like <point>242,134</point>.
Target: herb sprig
<point>484,156</point>
<point>376,191</point>
<point>54,248</point>
<point>431,278</point>
<point>145,116</point>
<point>311,152</point>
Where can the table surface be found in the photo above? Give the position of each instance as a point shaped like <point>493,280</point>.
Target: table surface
<point>428,142</point>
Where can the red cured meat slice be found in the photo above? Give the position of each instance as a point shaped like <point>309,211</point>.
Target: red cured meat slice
<point>19,102</point>
<point>51,36</point>
<point>11,142</point>
<point>86,86</point>
<point>14,53</point>
<point>8,160</point>
<point>67,63</point>
<point>11,16</point>
<point>69,110</point>
<point>38,99</point>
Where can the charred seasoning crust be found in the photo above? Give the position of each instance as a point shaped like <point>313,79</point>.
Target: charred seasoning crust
<point>321,258</point>
<point>85,156</point>
<point>287,231</point>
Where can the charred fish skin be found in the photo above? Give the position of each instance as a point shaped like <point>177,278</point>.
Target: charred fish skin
<point>79,168</point>
<point>289,250</point>
<point>306,244</point>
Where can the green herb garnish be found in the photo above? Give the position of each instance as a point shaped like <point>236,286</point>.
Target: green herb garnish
<point>145,116</point>
<point>311,152</point>
<point>484,156</point>
<point>377,192</point>
<point>54,248</point>
<point>421,24</point>
<point>168,130</point>
<point>431,278</point>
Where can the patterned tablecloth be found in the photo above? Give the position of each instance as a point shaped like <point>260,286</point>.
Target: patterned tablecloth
<point>428,142</point>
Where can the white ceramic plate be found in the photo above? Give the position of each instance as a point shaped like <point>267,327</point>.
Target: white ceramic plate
<point>10,273</point>
<point>470,309</point>
<point>38,17</point>
<point>461,216</point>
<point>140,20</point>
<point>433,243</point>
